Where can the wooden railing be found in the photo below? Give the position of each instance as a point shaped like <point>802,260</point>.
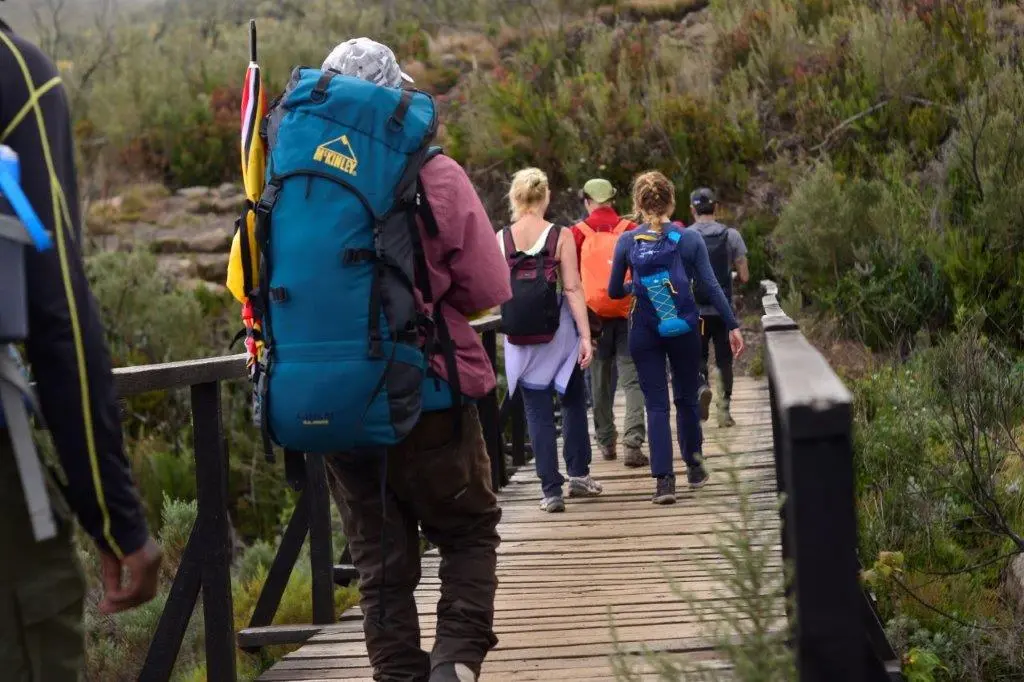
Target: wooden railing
<point>836,632</point>
<point>206,562</point>
<point>837,635</point>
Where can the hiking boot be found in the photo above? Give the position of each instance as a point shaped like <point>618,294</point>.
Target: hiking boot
<point>552,505</point>
<point>452,672</point>
<point>697,476</point>
<point>584,486</point>
<point>609,452</point>
<point>704,396</point>
<point>725,419</point>
<point>665,490</point>
<point>634,458</point>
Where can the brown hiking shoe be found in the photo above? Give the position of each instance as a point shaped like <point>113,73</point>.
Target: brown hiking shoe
<point>635,458</point>
<point>609,452</point>
<point>704,396</point>
<point>725,419</point>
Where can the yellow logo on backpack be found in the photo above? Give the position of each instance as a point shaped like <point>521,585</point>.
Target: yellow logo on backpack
<point>343,159</point>
<point>596,268</point>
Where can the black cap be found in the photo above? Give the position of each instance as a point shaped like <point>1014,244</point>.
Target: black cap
<point>702,197</point>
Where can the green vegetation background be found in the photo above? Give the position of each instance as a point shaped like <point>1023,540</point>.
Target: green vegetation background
<point>869,151</point>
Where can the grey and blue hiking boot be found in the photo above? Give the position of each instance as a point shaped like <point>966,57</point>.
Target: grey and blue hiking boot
<point>704,396</point>
<point>553,504</point>
<point>584,486</point>
<point>665,490</point>
<point>452,672</point>
<point>697,476</point>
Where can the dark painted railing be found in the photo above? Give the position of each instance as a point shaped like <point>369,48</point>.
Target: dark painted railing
<point>836,632</point>
<point>206,562</point>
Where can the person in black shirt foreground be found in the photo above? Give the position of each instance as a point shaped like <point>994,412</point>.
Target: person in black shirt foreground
<point>41,585</point>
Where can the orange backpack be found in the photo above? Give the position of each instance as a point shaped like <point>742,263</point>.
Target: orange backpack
<point>596,269</point>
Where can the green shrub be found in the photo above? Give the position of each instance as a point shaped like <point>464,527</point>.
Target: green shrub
<point>940,505</point>
<point>861,250</point>
<point>980,250</point>
<point>615,105</point>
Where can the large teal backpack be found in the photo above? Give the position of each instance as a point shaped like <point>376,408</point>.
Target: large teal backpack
<point>347,345</point>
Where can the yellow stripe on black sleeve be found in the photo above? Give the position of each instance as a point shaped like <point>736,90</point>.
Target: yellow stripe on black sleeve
<point>34,97</point>
<point>60,215</point>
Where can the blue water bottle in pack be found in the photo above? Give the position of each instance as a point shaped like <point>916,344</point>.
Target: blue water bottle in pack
<point>662,296</point>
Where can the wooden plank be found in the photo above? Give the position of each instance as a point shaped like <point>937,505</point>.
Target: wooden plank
<point>565,579</point>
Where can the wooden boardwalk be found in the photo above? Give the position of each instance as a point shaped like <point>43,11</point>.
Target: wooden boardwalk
<point>564,578</point>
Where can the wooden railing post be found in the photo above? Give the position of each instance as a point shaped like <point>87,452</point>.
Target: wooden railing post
<point>812,423</point>
<point>212,497</point>
<point>320,554</point>
<point>489,416</point>
<point>206,561</point>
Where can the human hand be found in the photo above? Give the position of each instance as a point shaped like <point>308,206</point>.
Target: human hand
<point>736,342</point>
<point>586,353</point>
<point>143,568</point>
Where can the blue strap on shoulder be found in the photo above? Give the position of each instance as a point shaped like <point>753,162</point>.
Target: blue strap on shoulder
<point>10,187</point>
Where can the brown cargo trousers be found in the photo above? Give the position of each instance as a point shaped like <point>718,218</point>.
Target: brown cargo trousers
<point>444,485</point>
<point>41,589</point>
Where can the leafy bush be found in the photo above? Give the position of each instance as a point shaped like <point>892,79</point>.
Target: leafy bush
<point>117,645</point>
<point>939,470</point>
<point>608,102</point>
<point>861,249</point>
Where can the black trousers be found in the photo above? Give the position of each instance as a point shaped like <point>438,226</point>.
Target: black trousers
<point>713,332</point>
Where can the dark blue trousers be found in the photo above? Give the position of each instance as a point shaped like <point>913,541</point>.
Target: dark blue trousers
<point>540,421</point>
<point>649,351</point>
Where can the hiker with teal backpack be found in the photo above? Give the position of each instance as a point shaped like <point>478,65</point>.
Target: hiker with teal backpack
<point>663,260</point>
<point>376,252</point>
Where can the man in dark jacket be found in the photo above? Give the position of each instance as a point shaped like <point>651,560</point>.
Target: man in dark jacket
<point>726,251</point>
<point>41,585</point>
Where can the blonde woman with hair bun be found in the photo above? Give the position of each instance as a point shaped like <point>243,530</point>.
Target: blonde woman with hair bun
<point>547,337</point>
<point>663,260</point>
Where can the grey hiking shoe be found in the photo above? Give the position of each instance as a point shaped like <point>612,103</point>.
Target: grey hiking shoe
<point>552,505</point>
<point>697,476</point>
<point>635,458</point>
<point>452,672</point>
<point>704,397</point>
<point>725,419</point>
<point>665,490</point>
<point>609,452</point>
<point>584,486</point>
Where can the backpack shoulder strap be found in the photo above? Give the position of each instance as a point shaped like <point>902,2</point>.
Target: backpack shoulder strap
<point>510,244</point>
<point>587,230</point>
<point>551,243</point>
<point>622,226</point>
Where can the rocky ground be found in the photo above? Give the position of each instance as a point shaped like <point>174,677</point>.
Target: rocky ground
<point>190,230</point>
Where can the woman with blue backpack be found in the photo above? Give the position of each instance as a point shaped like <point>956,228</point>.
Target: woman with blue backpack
<point>663,259</point>
<point>547,338</point>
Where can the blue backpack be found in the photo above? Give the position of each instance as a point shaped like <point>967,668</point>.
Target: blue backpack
<point>346,361</point>
<point>655,259</point>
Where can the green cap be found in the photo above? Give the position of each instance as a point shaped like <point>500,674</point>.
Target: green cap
<point>599,190</point>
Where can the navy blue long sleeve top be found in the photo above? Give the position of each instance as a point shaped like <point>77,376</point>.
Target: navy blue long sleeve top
<point>693,253</point>
<point>66,348</point>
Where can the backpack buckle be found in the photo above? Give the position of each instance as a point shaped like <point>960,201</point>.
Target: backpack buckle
<point>267,199</point>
